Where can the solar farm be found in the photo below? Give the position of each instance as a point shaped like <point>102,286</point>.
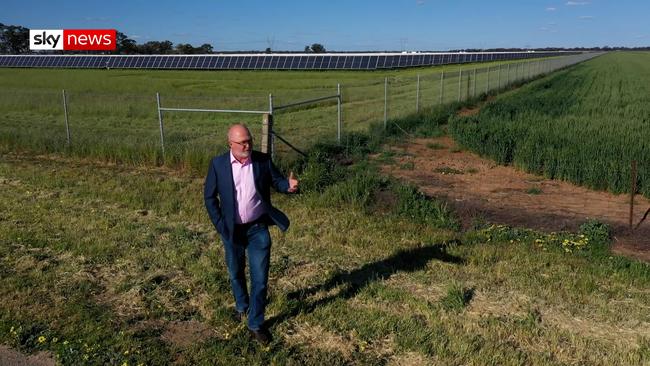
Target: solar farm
<point>329,61</point>
<point>112,113</point>
<point>108,256</point>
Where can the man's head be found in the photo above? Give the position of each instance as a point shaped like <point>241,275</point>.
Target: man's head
<point>240,141</point>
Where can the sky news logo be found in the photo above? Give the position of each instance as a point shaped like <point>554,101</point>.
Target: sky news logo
<point>73,39</point>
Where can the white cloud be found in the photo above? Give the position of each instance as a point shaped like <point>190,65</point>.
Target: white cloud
<point>419,2</point>
<point>586,17</point>
<point>551,9</point>
<point>574,3</point>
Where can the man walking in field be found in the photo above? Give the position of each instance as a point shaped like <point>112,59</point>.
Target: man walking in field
<point>238,199</point>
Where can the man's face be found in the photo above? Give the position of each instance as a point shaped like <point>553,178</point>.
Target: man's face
<point>241,143</point>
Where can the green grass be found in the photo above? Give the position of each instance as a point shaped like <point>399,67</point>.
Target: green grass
<point>435,146</point>
<point>534,190</point>
<point>585,124</point>
<point>113,115</point>
<point>101,262</point>
<point>447,170</point>
<point>353,280</point>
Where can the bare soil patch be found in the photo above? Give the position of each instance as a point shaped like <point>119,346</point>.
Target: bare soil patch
<point>478,188</point>
<point>186,333</point>
<point>11,357</point>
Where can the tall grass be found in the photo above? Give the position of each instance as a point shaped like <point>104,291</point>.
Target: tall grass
<point>584,125</point>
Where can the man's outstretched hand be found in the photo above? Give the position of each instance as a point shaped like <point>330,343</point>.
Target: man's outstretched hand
<point>293,183</point>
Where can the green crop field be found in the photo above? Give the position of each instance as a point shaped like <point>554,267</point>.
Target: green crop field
<point>585,124</point>
<point>113,115</point>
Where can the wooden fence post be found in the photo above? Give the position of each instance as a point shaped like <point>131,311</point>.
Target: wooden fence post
<point>632,191</point>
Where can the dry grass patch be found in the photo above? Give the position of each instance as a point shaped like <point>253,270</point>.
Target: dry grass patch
<point>505,305</point>
<point>299,276</point>
<point>624,334</point>
<point>315,336</point>
<point>430,292</point>
<point>382,348</point>
<point>410,359</point>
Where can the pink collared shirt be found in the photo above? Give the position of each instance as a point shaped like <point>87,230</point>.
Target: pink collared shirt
<point>248,204</point>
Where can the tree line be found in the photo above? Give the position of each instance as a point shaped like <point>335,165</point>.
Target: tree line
<point>14,39</point>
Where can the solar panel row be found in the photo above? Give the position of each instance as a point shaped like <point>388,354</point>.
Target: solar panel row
<point>262,62</point>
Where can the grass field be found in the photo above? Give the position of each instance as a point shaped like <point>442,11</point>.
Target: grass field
<point>113,116</point>
<point>584,125</point>
<point>105,263</point>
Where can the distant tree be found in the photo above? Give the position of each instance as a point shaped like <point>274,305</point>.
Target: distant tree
<point>205,48</point>
<point>188,49</point>
<point>14,39</point>
<point>165,47</point>
<point>268,50</point>
<point>156,47</point>
<point>184,48</point>
<point>124,44</point>
<point>317,48</point>
<point>307,49</point>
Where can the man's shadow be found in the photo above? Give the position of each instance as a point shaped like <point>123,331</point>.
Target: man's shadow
<point>353,282</point>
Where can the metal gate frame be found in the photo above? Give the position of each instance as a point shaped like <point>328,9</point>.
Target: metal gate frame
<point>268,133</point>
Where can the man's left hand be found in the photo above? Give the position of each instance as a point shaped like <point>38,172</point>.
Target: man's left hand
<point>293,183</point>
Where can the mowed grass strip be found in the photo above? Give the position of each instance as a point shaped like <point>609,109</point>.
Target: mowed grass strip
<point>107,264</point>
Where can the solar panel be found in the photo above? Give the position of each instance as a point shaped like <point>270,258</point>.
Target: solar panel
<point>249,62</point>
<point>210,62</point>
<point>262,61</point>
<point>148,62</point>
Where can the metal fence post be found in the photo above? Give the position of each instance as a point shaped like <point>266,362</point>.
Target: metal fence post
<point>474,83</point>
<point>487,86</point>
<point>385,101</point>
<point>442,85</point>
<point>417,96</point>
<point>499,79</point>
<point>267,128</point>
<point>460,79</point>
<point>338,110</point>
<point>162,133</point>
<point>268,145</point>
<point>65,113</point>
<point>508,81</point>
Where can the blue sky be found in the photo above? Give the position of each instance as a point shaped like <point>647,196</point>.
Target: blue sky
<point>350,25</point>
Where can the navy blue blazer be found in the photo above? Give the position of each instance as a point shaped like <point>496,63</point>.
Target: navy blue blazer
<point>219,191</point>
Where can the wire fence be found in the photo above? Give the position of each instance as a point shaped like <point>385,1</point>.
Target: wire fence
<point>128,127</point>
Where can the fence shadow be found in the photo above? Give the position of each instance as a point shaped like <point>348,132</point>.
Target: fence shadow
<point>353,282</point>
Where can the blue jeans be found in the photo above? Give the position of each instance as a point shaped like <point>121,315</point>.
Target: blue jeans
<point>257,241</point>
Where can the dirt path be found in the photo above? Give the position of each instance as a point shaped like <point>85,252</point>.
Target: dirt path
<point>479,188</point>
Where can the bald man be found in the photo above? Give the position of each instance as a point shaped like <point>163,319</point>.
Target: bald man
<point>238,199</point>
